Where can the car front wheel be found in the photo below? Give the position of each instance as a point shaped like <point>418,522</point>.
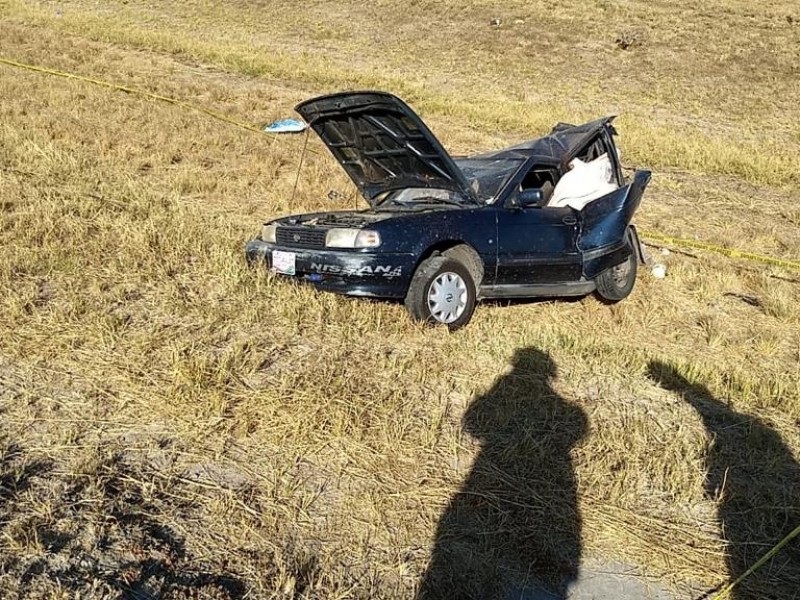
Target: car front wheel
<point>442,291</point>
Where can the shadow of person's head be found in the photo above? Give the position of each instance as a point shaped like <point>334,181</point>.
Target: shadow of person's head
<point>534,363</point>
<point>718,415</point>
<point>518,398</point>
<point>668,377</point>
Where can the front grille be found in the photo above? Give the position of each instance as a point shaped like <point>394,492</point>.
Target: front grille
<point>300,237</point>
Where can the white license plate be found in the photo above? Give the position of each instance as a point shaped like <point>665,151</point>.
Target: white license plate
<point>284,262</point>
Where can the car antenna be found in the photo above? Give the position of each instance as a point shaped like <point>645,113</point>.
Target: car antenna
<point>299,166</point>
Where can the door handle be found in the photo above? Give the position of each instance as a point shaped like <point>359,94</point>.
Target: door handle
<point>569,220</point>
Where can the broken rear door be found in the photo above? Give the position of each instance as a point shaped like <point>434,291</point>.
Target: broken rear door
<point>603,223</point>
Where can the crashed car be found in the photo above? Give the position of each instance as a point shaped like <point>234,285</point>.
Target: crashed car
<point>548,217</point>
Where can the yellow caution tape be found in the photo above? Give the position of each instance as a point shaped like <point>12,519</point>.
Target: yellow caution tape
<point>726,591</point>
<point>730,252</point>
<point>211,113</point>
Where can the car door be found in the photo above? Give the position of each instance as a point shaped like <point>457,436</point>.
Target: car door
<point>603,223</point>
<point>537,245</point>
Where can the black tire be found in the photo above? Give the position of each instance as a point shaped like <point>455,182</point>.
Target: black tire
<point>445,272</point>
<point>616,283</point>
<point>467,256</point>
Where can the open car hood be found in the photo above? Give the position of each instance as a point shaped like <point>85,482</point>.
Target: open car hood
<point>382,144</point>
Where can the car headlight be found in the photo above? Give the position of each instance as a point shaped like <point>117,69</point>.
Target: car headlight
<point>268,233</point>
<point>352,238</point>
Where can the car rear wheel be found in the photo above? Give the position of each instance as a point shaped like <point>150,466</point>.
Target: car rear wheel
<point>442,291</point>
<point>616,283</point>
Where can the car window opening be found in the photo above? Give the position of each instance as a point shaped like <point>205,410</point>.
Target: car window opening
<point>591,175</point>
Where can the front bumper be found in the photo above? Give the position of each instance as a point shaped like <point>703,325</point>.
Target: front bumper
<point>355,273</point>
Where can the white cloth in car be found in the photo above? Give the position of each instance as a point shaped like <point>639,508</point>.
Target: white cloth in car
<point>584,182</point>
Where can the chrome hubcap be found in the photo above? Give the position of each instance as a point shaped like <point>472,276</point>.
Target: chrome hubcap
<point>620,273</point>
<point>447,297</point>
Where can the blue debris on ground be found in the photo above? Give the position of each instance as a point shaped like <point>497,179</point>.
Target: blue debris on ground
<point>286,126</point>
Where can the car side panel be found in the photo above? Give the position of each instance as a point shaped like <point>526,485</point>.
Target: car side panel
<point>427,231</point>
<point>537,245</point>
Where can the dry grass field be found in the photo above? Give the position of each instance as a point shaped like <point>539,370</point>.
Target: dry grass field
<point>176,424</point>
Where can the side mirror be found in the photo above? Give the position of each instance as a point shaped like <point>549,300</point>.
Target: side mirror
<point>533,197</point>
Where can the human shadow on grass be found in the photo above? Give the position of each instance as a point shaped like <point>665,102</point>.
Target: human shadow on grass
<point>755,480</point>
<point>514,528</point>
